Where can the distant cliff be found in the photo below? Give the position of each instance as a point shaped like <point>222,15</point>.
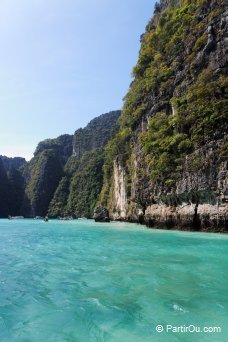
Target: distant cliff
<point>96,134</point>
<point>167,165</point>
<point>79,189</point>
<point>11,185</point>
<point>12,163</point>
<point>65,175</point>
<point>43,173</point>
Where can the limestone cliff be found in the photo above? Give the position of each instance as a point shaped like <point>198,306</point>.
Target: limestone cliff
<point>167,166</point>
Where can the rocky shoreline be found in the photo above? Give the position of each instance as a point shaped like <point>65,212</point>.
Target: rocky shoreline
<point>162,217</point>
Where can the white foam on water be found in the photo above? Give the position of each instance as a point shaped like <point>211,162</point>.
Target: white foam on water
<point>177,307</point>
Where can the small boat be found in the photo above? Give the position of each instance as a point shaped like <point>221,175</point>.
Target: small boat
<point>46,219</point>
<point>15,217</point>
<point>67,218</point>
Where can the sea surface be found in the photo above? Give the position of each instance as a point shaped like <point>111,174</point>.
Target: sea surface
<point>85,281</point>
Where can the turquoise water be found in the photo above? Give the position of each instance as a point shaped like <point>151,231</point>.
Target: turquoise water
<point>85,281</point>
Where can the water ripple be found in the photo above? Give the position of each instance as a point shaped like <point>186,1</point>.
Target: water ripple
<point>81,281</point>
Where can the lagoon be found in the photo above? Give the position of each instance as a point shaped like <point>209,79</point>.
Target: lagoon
<point>85,281</point>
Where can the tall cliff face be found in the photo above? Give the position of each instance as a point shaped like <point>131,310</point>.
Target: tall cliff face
<point>167,165</point>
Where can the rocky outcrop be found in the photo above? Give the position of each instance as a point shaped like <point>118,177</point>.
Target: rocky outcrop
<point>101,214</point>
<point>170,168</point>
<point>119,192</point>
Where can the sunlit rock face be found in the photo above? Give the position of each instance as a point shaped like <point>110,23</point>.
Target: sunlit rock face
<point>170,167</point>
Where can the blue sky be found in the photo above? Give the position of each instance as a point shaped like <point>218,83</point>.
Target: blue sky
<point>62,63</point>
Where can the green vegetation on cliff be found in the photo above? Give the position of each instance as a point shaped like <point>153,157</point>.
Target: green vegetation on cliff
<point>197,118</point>
<point>96,134</point>
<point>86,184</point>
<point>177,101</point>
<point>44,173</point>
